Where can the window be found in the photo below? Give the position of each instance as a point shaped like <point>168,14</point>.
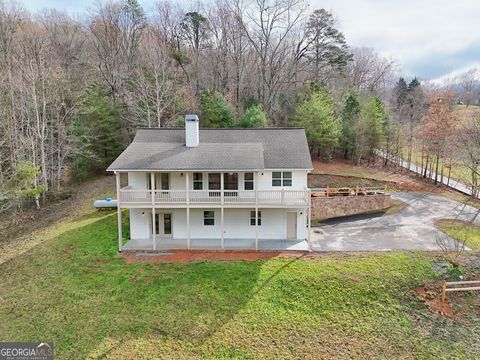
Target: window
<point>279,178</point>
<point>165,179</point>
<point>230,181</point>
<point>149,182</point>
<point>214,181</point>
<point>248,181</point>
<point>276,178</point>
<point>197,181</point>
<point>287,178</point>
<point>209,218</point>
<point>252,218</point>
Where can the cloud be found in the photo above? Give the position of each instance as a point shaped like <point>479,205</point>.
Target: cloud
<point>427,37</point>
<point>438,64</point>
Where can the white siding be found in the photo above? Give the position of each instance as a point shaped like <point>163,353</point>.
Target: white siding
<point>299,180</point>
<point>236,221</point>
<point>140,224</point>
<point>236,224</point>
<point>137,180</point>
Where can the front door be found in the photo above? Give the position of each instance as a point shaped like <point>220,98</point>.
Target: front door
<point>291,225</point>
<point>163,224</point>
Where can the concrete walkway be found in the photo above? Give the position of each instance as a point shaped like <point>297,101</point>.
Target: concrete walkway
<point>417,169</point>
<point>215,244</point>
<point>410,229</point>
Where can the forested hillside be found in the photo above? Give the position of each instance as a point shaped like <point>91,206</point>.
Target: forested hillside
<point>74,89</point>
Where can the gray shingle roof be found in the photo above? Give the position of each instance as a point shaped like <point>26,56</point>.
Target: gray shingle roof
<point>219,149</point>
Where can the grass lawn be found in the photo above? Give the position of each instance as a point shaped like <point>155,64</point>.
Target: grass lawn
<point>76,291</point>
<point>461,231</point>
<point>459,172</point>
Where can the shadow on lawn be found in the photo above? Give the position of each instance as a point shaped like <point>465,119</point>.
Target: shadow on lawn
<point>78,292</point>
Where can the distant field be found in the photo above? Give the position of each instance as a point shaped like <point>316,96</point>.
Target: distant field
<point>459,172</point>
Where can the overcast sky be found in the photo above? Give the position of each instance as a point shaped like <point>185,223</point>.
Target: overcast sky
<point>429,38</point>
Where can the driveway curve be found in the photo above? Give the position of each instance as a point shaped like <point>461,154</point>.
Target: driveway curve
<point>412,228</point>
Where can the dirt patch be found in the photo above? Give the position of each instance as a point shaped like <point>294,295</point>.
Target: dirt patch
<point>186,256</point>
<point>428,293</point>
<point>345,174</point>
<point>324,180</point>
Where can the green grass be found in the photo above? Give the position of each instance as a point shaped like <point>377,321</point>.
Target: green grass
<point>76,291</point>
<point>458,172</point>
<point>461,231</point>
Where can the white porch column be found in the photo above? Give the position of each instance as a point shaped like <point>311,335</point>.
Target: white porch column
<point>154,230</point>
<point>308,229</point>
<point>153,187</point>
<point>256,227</point>
<point>187,187</point>
<point>255,186</point>
<point>119,213</point>
<point>222,227</point>
<point>221,188</point>
<point>256,209</point>
<point>188,227</point>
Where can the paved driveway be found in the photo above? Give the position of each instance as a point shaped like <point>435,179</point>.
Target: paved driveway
<point>410,229</point>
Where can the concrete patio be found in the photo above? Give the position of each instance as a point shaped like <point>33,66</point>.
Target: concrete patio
<point>215,244</point>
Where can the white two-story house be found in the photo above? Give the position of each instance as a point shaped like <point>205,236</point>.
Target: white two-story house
<point>216,189</point>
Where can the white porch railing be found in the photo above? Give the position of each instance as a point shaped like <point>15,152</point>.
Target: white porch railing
<point>226,197</point>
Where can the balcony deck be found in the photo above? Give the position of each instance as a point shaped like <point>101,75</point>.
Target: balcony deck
<point>132,198</point>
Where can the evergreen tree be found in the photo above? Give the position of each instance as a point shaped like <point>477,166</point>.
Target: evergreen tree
<point>325,47</point>
<point>400,92</point>
<point>413,84</point>
<point>21,186</point>
<point>216,112</point>
<point>350,116</point>
<point>98,128</point>
<point>371,128</point>
<point>316,113</point>
<point>254,117</point>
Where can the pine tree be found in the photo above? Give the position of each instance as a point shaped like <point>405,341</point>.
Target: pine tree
<point>350,116</point>
<point>316,113</point>
<point>371,128</point>
<point>99,129</point>
<point>254,117</point>
<point>216,112</point>
<point>400,92</point>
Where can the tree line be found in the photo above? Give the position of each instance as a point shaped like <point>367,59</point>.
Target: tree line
<point>74,90</point>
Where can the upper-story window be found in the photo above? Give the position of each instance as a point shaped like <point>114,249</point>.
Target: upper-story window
<point>230,181</point>
<point>248,181</point>
<point>197,181</point>
<point>282,178</point>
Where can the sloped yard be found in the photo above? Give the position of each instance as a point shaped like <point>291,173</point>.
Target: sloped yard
<point>76,291</point>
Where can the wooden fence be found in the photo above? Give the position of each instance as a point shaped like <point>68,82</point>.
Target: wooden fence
<point>452,286</point>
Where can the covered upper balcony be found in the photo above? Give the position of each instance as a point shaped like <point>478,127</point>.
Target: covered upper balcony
<point>197,189</point>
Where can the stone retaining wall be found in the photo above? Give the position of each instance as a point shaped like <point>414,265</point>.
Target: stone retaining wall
<point>336,206</point>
